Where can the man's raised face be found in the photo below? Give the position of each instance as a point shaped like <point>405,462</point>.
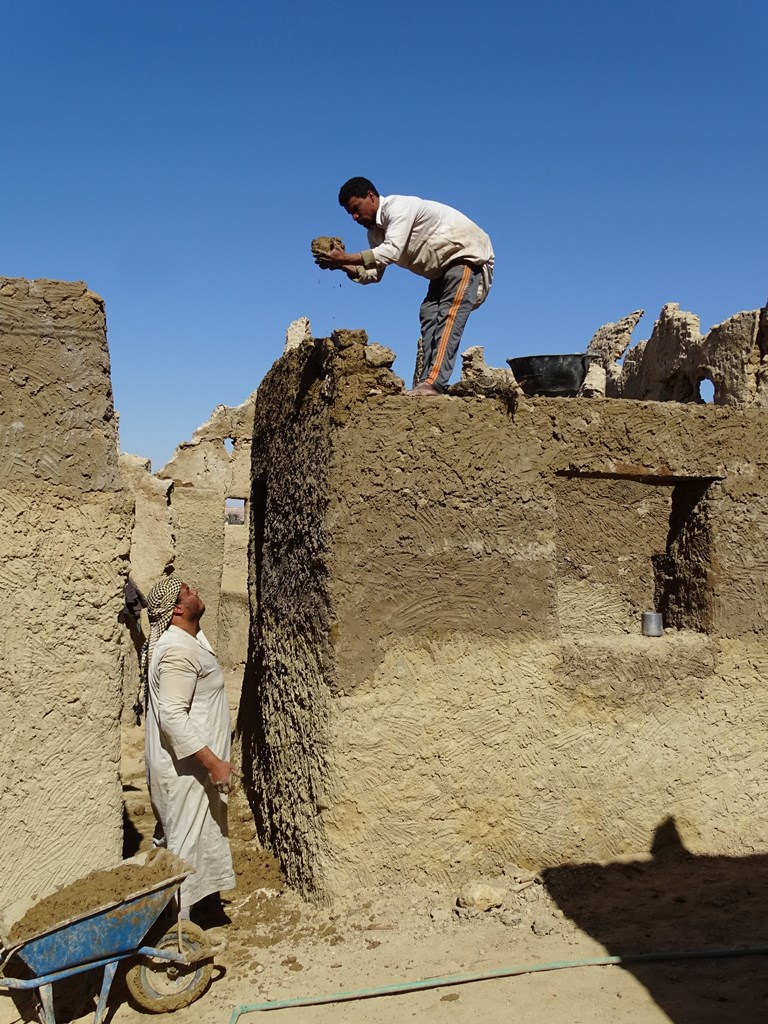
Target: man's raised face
<point>189,600</point>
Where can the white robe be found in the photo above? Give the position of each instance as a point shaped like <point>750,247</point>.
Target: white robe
<point>188,710</point>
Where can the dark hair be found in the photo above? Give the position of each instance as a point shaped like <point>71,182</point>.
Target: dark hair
<point>359,187</point>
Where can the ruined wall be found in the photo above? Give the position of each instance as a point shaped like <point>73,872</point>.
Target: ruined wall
<point>233,603</point>
<point>180,523</point>
<point>153,544</point>
<point>64,538</point>
<point>450,674</point>
<point>672,364</point>
<point>210,555</point>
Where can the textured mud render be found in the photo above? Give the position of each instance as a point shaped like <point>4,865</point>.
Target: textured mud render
<point>446,607</point>
<point>64,529</point>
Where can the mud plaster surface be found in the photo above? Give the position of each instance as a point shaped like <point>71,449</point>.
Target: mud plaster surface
<point>64,537</point>
<point>280,947</point>
<point>449,609</point>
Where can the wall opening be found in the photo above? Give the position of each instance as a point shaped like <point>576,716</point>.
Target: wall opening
<point>229,445</point>
<point>626,545</point>
<point>234,512</point>
<point>706,391</point>
<point>683,590</point>
<point>609,529</point>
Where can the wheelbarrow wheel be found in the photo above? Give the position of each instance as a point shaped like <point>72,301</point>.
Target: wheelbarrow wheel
<point>162,986</point>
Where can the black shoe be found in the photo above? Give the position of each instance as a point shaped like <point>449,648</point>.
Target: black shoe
<point>209,912</point>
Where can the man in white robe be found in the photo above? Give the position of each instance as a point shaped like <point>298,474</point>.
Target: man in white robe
<point>187,742</point>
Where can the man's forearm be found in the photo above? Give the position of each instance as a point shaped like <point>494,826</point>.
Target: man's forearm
<point>219,771</point>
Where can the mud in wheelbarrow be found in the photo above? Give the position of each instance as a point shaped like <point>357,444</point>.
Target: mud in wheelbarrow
<point>66,934</point>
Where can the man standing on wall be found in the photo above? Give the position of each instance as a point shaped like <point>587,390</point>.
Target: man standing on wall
<point>187,743</point>
<point>433,241</point>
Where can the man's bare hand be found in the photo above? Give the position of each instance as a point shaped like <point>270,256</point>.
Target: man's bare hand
<point>334,259</point>
<point>223,777</point>
<point>221,773</point>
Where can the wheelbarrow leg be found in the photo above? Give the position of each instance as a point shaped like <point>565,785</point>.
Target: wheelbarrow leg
<point>46,1004</point>
<point>106,985</point>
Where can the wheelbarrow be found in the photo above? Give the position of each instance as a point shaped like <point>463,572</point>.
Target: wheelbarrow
<point>173,967</point>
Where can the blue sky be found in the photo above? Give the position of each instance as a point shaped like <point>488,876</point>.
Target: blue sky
<point>180,156</point>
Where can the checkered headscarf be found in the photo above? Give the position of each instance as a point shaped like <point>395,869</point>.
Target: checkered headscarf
<point>161,601</point>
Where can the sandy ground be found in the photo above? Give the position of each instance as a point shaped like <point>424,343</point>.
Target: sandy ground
<point>279,947</point>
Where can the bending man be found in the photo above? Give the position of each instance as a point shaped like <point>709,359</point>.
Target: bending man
<point>429,239</point>
<point>187,741</point>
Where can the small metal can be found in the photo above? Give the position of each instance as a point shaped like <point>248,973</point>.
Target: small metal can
<point>653,624</point>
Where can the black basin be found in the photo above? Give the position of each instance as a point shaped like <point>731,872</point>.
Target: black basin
<point>551,375</point>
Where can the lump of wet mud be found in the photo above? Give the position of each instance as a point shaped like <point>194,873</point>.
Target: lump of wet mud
<point>324,243</point>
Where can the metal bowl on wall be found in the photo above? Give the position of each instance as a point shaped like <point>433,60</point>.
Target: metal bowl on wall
<point>551,375</point>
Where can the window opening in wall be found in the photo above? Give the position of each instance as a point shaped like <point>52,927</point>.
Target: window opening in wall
<point>234,512</point>
<point>683,591</point>
<point>706,390</point>
<point>629,544</point>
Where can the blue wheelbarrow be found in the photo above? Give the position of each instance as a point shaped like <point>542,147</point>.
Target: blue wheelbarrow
<point>172,968</point>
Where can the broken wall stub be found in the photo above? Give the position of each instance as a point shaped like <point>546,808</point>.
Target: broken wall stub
<point>446,603</point>
<point>153,545</point>
<point>64,539</point>
<point>211,554</point>
<point>677,358</point>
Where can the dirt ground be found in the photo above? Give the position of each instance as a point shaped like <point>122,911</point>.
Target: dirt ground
<point>279,947</point>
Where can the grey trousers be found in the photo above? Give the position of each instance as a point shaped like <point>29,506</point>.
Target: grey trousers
<point>444,313</point>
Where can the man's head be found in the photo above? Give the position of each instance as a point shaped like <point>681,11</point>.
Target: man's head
<point>172,602</point>
<point>360,199</point>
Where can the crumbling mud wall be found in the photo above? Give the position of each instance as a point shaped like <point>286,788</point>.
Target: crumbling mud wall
<point>180,524</point>
<point>449,673</point>
<point>64,538</point>
<point>209,553</point>
<point>233,628</point>
<point>672,364</point>
<point>153,544</point>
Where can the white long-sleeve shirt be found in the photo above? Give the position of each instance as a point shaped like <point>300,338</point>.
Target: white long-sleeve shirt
<point>424,237</point>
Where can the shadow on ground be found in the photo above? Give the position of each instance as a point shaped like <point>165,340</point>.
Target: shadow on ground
<point>679,902</point>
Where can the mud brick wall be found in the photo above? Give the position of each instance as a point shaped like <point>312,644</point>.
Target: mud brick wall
<point>64,541</point>
<point>449,672</point>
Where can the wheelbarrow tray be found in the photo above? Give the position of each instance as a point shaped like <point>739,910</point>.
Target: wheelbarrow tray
<point>102,933</point>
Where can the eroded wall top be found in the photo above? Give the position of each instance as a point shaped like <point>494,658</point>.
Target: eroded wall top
<point>672,364</point>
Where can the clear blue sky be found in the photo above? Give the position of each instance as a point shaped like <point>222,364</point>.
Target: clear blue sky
<point>180,156</point>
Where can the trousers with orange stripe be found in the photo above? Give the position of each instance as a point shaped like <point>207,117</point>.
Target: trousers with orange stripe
<point>444,313</point>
